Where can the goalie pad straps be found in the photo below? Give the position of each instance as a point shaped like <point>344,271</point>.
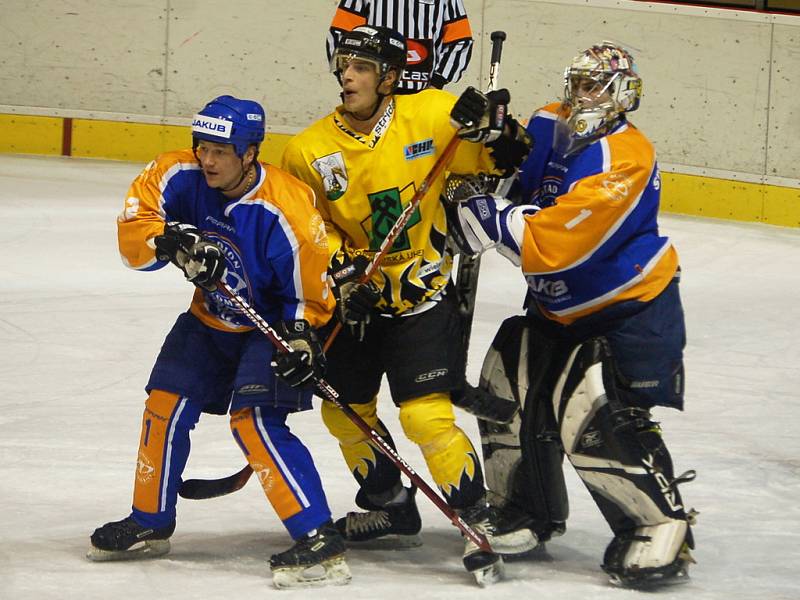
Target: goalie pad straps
<point>618,453</point>
<point>523,459</point>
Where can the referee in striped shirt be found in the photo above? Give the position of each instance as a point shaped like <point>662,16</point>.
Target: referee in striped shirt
<point>437,31</point>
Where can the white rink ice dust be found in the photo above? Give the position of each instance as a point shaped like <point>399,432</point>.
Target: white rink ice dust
<point>79,332</point>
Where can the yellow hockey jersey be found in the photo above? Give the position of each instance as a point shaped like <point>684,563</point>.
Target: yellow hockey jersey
<point>363,182</point>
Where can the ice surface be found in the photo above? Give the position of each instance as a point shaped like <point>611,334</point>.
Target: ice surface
<point>79,332</point>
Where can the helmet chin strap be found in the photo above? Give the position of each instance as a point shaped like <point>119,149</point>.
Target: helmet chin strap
<point>241,178</point>
<point>378,102</point>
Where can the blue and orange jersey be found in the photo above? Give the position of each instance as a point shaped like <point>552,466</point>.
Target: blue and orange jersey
<point>273,239</point>
<point>595,241</point>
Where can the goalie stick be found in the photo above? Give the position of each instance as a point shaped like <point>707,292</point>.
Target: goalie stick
<point>473,399</point>
<point>326,391</point>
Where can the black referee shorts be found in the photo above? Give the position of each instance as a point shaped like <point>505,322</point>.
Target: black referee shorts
<point>420,354</point>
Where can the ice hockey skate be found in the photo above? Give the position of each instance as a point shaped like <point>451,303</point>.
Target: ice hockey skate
<point>393,526</point>
<point>314,560</point>
<point>488,567</point>
<point>127,540</point>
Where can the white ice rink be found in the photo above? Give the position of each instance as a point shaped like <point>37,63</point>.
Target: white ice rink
<point>79,333</point>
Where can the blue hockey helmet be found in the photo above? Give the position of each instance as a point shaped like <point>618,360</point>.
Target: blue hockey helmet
<point>229,120</point>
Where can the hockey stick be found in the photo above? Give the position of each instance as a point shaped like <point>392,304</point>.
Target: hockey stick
<point>201,489</point>
<point>401,222</point>
<point>325,390</point>
<point>471,398</point>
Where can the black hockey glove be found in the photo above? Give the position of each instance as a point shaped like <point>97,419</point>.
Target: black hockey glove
<point>480,117</point>
<point>306,363</point>
<point>354,301</point>
<point>201,260</point>
<point>510,151</point>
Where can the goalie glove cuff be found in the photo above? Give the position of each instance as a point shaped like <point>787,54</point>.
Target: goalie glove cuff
<point>490,221</point>
<point>510,150</point>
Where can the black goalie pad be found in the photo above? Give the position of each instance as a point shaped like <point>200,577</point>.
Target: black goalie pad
<point>523,458</point>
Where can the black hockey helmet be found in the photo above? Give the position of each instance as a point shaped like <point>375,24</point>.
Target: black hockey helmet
<point>381,45</point>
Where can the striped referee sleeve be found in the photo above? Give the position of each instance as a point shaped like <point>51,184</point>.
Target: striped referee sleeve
<point>454,46</point>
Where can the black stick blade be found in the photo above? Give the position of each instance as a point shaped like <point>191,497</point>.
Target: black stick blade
<point>201,489</point>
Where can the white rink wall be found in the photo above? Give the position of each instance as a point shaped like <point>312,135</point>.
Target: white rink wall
<point>720,85</point>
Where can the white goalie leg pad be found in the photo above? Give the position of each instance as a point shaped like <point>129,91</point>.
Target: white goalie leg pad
<point>657,544</point>
<point>629,477</point>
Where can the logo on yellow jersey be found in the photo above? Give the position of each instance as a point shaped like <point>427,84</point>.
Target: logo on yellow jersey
<point>387,205</point>
<point>418,149</point>
<point>332,171</point>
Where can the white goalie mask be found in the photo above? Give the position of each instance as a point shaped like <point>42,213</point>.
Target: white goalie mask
<point>600,84</point>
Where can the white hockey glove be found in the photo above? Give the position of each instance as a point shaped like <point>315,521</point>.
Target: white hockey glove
<point>490,221</point>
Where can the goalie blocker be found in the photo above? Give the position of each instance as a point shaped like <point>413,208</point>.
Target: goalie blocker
<point>572,402</point>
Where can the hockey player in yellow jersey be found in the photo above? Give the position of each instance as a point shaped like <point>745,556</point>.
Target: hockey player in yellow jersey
<point>365,161</point>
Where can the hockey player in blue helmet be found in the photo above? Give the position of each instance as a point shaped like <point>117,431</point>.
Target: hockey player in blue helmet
<point>218,214</point>
<point>228,121</point>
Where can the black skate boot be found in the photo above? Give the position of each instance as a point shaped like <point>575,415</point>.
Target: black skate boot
<point>127,540</point>
<point>316,559</point>
<point>518,536</point>
<point>393,526</point>
<point>487,567</point>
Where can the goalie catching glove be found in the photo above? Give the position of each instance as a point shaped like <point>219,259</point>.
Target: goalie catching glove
<point>306,363</point>
<point>489,221</point>
<point>355,301</point>
<point>200,259</point>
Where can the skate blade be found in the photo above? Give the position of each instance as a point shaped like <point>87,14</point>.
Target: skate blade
<point>387,542</point>
<point>148,549</point>
<point>333,571</point>
<point>491,574</point>
<point>651,582</point>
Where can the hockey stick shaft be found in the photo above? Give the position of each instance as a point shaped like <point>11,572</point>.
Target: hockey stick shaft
<point>330,394</point>
<point>469,266</point>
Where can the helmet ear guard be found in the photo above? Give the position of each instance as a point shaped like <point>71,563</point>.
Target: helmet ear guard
<point>617,89</point>
<point>229,120</point>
